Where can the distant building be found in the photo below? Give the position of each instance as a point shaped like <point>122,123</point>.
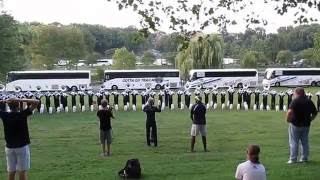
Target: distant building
<point>160,62</point>
<point>230,61</point>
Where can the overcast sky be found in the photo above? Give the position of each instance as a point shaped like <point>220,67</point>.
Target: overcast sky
<point>107,14</point>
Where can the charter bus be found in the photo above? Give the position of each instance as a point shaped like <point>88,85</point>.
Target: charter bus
<point>141,79</point>
<point>207,78</point>
<point>48,80</point>
<point>292,77</point>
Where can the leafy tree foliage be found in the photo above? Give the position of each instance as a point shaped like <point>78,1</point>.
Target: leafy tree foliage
<point>285,57</point>
<point>249,60</point>
<point>123,59</point>
<point>148,58</point>
<point>11,45</point>
<point>203,52</point>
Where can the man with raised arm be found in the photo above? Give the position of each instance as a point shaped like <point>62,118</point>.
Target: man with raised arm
<point>16,135</point>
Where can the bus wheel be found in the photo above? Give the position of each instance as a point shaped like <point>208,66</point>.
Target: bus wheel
<point>114,87</point>
<point>313,83</point>
<point>277,84</point>
<point>318,83</point>
<point>74,88</point>
<point>158,87</point>
<point>240,85</point>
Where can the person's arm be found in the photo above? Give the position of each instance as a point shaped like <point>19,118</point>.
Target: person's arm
<point>156,109</point>
<point>191,113</point>
<point>33,102</point>
<point>314,111</point>
<point>239,174</point>
<point>290,115</point>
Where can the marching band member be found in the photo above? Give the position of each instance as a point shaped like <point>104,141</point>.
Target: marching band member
<point>281,100</point>
<point>73,99</point>
<point>106,94</point>
<point>99,98</point>
<point>223,99</point>
<point>230,94</point>
<point>179,94</point>
<point>214,92</point>
<point>64,100</point>
<point>187,95</point>
<point>128,90</point>
<point>206,96</point>
<point>273,94</point>
<point>115,98</point>
<point>265,99</point>
<point>134,94</point>
<point>56,99</point>
<point>38,97</point>
<point>257,98</point>
<point>240,93</point>
<point>171,93</point>
<point>152,94</point>
<point>20,95</point>
<point>318,100</point>
<point>125,96</point>
<point>289,94</point>
<point>160,96</point>
<point>249,93</point>
<point>48,100</point>
<point>90,98</point>
<point>143,96</point>
<point>309,95</point>
<point>166,94</point>
<point>81,98</point>
<point>197,92</point>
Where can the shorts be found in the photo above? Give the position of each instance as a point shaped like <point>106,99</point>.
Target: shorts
<point>106,136</point>
<point>18,159</point>
<point>198,129</point>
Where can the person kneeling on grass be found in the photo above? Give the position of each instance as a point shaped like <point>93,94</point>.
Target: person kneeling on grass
<point>252,169</point>
<point>105,114</point>
<point>198,117</point>
<point>150,110</point>
<point>16,135</point>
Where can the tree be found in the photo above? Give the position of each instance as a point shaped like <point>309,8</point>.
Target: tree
<point>92,58</point>
<point>203,52</point>
<point>316,51</point>
<point>181,14</point>
<point>148,58</point>
<point>249,60</point>
<point>123,59</point>
<point>285,57</point>
<point>11,48</point>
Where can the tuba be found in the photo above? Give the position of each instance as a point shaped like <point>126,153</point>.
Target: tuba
<point>2,88</point>
<point>38,88</point>
<point>64,88</point>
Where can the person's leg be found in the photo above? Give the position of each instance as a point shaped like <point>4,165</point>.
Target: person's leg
<point>203,132</point>
<point>11,175</point>
<point>103,141</point>
<point>293,142</point>
<point>23,162</point>
<point>11,163</point>
<point>204,141</point>
<point>305,144</point>
<point>193,136</point>
<point>148,133</point>
<point>23,175</point>
<point>109,141</point>
<point>154,134</point>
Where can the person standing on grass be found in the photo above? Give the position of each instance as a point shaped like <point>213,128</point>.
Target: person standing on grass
<point>299,116</point>
<point>17,138</point>
<point>252,169</point>
<point>105,114</point>
<point>151,124</point>
<point>198,117</point>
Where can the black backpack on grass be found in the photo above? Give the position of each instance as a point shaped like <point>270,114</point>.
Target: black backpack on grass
<point>131,170</point>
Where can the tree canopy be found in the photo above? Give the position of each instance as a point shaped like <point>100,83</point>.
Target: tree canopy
<point>123,59</point>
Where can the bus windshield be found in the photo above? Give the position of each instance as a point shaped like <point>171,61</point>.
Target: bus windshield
<point>269,75</point>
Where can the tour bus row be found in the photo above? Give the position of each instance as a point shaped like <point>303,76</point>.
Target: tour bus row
<point>159,78</point>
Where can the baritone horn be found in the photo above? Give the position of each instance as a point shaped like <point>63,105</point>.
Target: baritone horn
<point>17,89</point>
<point>38,88</point>
<point>83,87</point>
<point>64,88</point>
<point>2,88</point>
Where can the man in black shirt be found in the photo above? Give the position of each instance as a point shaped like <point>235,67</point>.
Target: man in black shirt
<point>300,114</point>
<point>105,114</point>
<point>150,110</point>
<point>198,117</point>
<point>16,135</point>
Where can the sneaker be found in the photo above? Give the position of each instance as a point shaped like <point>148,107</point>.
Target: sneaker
<point>291,162</point>
<point>303,160</point>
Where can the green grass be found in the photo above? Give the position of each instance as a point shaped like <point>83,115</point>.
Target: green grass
<point>65,146</point>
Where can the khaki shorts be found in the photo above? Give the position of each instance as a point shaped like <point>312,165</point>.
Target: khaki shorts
<point>18,159</point>
<point>198,129</point>
<point>106,136</point>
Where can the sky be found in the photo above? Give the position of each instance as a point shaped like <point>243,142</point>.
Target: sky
<point>107,14</point>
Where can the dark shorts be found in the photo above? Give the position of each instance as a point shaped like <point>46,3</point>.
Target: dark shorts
<point>106,136</point>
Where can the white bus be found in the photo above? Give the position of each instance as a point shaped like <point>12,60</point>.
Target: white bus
<point>47,80</point>
<point>292,77</point>
<point>207,78</point>
<point>141,79</point>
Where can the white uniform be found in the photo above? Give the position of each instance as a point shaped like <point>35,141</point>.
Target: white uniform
<point>250,171</point>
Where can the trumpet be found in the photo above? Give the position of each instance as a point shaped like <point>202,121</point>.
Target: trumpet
<point>2,88</point>
<point>38,88</point>
<point>64,88</point>
<point>17,89</point>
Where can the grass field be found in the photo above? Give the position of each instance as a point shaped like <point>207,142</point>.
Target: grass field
<point>65,146</point>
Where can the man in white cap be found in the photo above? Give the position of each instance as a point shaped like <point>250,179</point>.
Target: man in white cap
<point>198,117</point>
<point>150,111</point>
